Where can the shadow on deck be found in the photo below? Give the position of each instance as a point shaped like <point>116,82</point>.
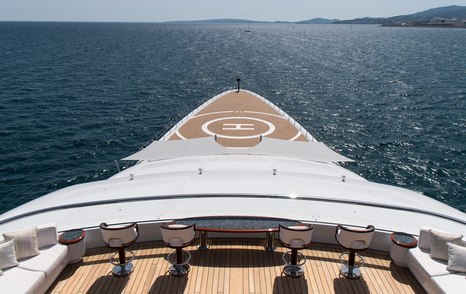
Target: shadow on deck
<point>233,266</point>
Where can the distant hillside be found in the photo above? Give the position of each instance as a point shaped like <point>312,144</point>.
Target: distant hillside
<point>440,15</point>
<point>448,13</point>
<point>242,21</point>
<point>216,21</point>
<point>318,21</point>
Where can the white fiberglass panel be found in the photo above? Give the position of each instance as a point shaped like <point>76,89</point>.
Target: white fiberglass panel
<point>298,209</point>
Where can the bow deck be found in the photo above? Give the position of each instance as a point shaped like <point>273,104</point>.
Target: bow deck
<point>239,119</point>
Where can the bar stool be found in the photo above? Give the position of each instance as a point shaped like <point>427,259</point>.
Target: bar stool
<point>354,240</point>
<point>178,236</point>
<point>119,237</point>
<point>295,238</point>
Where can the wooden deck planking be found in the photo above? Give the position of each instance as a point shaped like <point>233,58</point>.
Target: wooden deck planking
<point>233,266</point>
<point>141,264</point>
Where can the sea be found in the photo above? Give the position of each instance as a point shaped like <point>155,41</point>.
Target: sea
<point>75,97</point>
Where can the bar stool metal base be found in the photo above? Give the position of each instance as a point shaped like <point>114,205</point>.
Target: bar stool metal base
<point>351,271</point>
<point>293,271</point>
<point>122,269</point>
<point>177,268</point>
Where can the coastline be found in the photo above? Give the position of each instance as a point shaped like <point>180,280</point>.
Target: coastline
<point>425,25</point>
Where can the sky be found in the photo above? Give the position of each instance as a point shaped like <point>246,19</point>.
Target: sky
<point>169,10</point>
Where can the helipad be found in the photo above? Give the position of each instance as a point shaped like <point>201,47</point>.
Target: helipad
<point>239,119</point>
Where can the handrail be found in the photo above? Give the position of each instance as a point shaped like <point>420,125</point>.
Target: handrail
<point>282,197</point>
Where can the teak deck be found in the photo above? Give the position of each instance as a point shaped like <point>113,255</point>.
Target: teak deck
<point>238,120</point>
<point>233,266</point>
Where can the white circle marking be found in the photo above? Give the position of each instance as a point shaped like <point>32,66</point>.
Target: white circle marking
<point>205,128</point>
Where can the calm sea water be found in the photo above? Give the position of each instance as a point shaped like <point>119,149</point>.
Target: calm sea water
<point>76,96</point>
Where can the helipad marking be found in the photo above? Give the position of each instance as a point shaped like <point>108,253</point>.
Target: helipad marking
<point>205,128</point>
<point>265,113</point>
<point>215,112</point>
<point>238,127</point>
<point>179,135</point>
<point>296,137</point>
<point>239,111</point>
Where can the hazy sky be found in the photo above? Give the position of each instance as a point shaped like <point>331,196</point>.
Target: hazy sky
<point>166,10</point>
